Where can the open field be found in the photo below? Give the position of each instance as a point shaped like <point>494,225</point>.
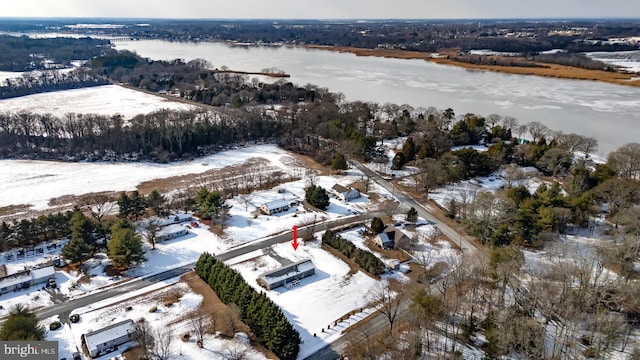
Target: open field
<point>549,70</point>
<point>102,100</point>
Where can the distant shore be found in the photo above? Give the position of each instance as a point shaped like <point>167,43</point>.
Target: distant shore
<point>549,70</point>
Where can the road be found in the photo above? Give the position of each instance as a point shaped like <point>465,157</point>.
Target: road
<point>464,244</point>
<point>379,323</point>
<point>64,309</point>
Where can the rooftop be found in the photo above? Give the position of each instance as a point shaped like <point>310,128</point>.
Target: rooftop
<point>109,333</point>
<point>288,270</point>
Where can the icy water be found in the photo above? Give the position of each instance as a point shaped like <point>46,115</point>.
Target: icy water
<point>610,113</point>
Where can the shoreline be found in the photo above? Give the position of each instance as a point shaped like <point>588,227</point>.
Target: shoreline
<point>549,70</point>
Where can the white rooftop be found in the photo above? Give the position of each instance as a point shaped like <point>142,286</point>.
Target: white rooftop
<point>109,333</point>
<point>275,204</point>
<point>43,273</point>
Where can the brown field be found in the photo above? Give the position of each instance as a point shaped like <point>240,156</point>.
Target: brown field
<point>549,70</point>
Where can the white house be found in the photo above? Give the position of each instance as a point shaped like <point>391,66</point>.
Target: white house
<point>287,274</point>
<point>273,207</point>
<point>170,232</point>
<point>345,193</point>
<point>27,278</point>
<point>109,338</point>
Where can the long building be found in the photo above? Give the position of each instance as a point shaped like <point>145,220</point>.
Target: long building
<point>287,274</point>
<point>109,338</point>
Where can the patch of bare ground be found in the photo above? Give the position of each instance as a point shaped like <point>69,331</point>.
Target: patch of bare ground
<point>6,212</point>
<point>72,200</point>
<point>307,162</point>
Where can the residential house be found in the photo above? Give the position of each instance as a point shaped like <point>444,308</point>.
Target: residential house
<point>274,207</point>
<point>389,237</point>
<point>170,232</point>
<point>27,278</point>
<point>109,338</point>
<point>287,274</point>
<point>345,193</point>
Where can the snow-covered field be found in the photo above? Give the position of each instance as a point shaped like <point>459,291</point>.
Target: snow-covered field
<point>629,60</point>
<point>101,100</point>
<point>36,182</point>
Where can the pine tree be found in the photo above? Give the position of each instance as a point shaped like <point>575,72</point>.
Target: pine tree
<point>20,325</point>
<point>339,162</point>
<point>124,206</point>
<point>377,226</point>
<point>125,246</point>
<point>412,215</point>
<point>317,196</point>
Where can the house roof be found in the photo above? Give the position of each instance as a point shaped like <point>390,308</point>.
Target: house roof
<point>171,229</point>
<point>287,271</point>
<point>392,233</point>
<point>108,333</point>
<point>339,188</point>
<point>15,279</point>
<point>42,273</point>
<point>275,204</point>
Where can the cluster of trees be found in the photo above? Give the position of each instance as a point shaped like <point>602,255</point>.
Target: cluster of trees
<point>317,196</point>
<point>21,325</point>
<point>45,81</point>
<point>211,203</point>
<point>365,259</point>
<point>26,54</point>
<point>264,318</point>
<point>159,136</point>
<point>28,232</point>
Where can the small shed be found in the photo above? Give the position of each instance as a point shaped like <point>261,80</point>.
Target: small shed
<point>287,274</point>
<point>109,338</point>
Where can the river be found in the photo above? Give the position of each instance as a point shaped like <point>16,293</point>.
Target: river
<point>609,113</point>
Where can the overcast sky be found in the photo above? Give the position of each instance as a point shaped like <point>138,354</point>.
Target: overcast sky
<point>321,9</point>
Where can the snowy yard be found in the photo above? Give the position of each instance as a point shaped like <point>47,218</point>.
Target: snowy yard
<point>318,300</point>
<point>102,100</point>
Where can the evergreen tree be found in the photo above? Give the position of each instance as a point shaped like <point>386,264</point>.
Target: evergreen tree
<point>124,206</point>
<point>398,161</point>
<point>125,246</point>
<point>339,162</point>
<point>20,325</point>
<point>156,202</point>
<point>377,226</point>
<point>412,215</point>
<point>317,196</point>
<point>138,205</point>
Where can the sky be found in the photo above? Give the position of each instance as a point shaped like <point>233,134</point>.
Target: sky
<point>322,9</point>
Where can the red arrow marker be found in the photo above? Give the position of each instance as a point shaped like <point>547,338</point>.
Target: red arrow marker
<point>295,238</point>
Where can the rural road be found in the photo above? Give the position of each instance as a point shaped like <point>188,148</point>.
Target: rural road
<point>379,323</point>
<point>64,309</point>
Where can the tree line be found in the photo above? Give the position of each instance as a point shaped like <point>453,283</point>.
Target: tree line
<point>264,318</point>
<point>365,259</point>
<point>47,81</point>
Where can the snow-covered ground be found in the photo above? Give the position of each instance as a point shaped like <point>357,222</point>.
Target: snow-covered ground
<point>101,100</point>
<point>318,301</point>
<point>36,182</point>
<point>465,191</point>
<point>174,317</point>
<point>629,60</point>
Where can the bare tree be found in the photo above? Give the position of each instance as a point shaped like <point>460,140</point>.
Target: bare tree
<point>199,325</point>
<point>152,233</point>
<point>162,340</point>
<point>512,174</point>
<point>237,351</point>
<point>233,319</point>
<point>626,160</point>
<point>388,297</point>
<point>537,130</point>
<point>509,122</point>
<point>100,205</point>
<point>144,336</point>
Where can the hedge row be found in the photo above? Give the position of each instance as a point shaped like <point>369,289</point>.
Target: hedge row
<point>266,320</point>
<point>365,259</point>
